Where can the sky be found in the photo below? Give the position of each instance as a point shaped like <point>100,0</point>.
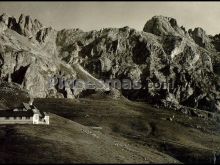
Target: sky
<point>96,15</point>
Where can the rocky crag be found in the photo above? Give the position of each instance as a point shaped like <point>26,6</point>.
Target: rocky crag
<point>162,53</point>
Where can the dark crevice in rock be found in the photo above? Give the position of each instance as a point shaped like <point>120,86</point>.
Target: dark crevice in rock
<point>1,60</point>
<point>19,75</point>
<point>140,53</point>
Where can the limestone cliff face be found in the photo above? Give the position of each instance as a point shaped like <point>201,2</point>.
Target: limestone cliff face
<point>25,25</point>
<point>162,52</point>
<point>28,57</point>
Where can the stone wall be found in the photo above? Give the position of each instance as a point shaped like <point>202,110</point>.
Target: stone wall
<point>17,120</point>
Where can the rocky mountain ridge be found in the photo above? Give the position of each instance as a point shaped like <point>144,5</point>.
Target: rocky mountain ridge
<point>163,52</point>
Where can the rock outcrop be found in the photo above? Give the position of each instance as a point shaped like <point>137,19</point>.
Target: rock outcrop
<point>165,54</point>
<point>171,64</point>
<point>160,25</point>
<point>27,26</point>
<point>201,38</point>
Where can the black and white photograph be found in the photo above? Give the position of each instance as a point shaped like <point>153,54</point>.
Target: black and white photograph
<point>109,82</point>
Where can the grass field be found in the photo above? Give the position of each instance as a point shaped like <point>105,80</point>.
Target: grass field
<point>65,141</point>
<point>104,130</point>
<point>187,139</point>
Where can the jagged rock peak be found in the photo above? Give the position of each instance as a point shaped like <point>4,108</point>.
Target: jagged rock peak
<point>8,21</point>
<point>43,33</point>
<point>27,26</point>
<point>27,19</point>
<point>200,37</point>
<point>161,25</point>
<point>4,18</point>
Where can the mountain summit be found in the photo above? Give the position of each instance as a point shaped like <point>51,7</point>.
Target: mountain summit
<point>163,52</point>
<point>160,25</point>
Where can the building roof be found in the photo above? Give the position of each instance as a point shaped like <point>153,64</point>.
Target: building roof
<point>26,106</point>
<point>11,113</point>
<point>25,111</point>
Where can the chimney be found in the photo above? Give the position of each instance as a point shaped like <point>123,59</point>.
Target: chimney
<point>31,101</point>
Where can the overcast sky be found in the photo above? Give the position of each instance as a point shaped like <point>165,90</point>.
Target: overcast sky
<point>96,15</point>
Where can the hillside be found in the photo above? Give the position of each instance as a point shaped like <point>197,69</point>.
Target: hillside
<point>65,141</point>
<point>12,95</point>
<point>174,117</point>
<point>187,138</point>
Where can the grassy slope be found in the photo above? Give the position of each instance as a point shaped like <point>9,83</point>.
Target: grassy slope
<point>11,95</point>
<point>65,141</point>
<point>188,139</point>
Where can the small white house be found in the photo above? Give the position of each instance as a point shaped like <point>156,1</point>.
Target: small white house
<point>27,114</point>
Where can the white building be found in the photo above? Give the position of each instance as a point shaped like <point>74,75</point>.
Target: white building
<point>27,114</point>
